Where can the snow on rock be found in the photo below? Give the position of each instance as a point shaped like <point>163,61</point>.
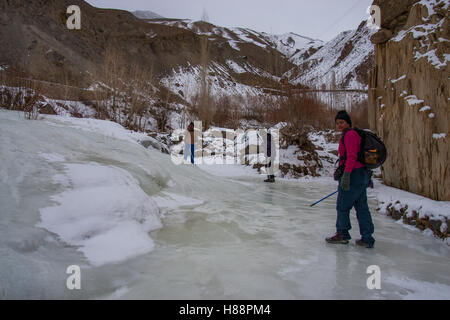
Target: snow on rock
<point>439,135</point>
<point>433,59</point>
<point>414,209</point>
<point>188,81</point>
<point>412,100</point>
<point>235,67</point>
<point>426,33</point>
<point>291,44</point>
<point>418,31</point>
<point>425,108</point>
<point>401,78</point>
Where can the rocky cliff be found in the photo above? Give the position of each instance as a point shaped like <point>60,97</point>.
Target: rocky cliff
<point>409,95</point>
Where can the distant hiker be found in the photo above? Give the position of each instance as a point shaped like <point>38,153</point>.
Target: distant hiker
<point>353,180</point>
<point>189,142</point>
<point>269,152</point>
<point>268,146</point>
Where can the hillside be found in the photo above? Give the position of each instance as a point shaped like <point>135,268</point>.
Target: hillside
<point>35,38</point>
<point>343,62</point>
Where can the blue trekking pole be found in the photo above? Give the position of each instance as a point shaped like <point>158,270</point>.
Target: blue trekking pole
<point>323,198</point>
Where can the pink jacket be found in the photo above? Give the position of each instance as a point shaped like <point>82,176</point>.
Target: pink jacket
<point>352,142</point>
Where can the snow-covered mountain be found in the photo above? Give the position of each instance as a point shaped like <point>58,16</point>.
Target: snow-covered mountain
<point>247,61</point>
<point>292,44</point>
<point>288,44</point>
<point>343,62</point>
<point>146,14</point>
<point>240,60</point>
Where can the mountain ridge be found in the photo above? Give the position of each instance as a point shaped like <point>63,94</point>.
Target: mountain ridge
<point>146,14</point>
<point>37,37</point>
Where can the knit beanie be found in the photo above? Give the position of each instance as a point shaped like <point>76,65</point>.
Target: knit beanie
<point>344,116</point>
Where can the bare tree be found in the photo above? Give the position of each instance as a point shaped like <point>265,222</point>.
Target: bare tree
<point>30,100</point>
<point>113,74</point>
<point>205,101</point>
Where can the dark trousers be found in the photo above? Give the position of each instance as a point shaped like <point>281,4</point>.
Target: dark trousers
<point>355,197</point>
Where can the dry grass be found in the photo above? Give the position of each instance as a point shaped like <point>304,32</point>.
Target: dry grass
<point>20,95</point>
<point>296,110</point>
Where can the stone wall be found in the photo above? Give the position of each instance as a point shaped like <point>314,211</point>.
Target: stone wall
<point>409,96</point>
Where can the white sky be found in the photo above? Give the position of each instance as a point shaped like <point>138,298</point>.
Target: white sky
<point>318,19</point>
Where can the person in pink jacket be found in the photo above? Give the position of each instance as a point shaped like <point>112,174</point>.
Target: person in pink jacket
<point>352,187</point>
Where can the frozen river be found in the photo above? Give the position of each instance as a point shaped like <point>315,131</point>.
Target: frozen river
<point>83,192</point>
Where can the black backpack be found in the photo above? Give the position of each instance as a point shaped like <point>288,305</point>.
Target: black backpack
<point>372,152</point>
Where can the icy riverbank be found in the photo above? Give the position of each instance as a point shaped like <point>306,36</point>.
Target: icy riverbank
<point>82,192</point>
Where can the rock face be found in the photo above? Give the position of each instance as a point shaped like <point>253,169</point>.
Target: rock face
<point>408,96</point>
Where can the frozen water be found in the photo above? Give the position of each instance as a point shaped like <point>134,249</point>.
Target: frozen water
<point>141,227</point>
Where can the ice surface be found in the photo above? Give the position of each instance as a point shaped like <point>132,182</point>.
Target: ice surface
<point>104,206</point>
<point>78,193</point>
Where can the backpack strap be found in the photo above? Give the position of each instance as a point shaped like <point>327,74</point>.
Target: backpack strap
<point>344,157</point>
<point>359,156</point>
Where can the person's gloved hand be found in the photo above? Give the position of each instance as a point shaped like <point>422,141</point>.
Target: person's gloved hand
<point>345,182</point>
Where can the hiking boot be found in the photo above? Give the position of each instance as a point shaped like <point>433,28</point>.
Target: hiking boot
<point>364,244</point>
<point>270,179</point>
<point>337,238</point>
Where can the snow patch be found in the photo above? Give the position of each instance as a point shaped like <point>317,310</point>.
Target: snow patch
<point>52,157</point>
<point>423,206</point>
<point>105,213</point>
<point>439,136</point>
<point>412,100</point>
<point>401,78</point>
<point>432,58</point>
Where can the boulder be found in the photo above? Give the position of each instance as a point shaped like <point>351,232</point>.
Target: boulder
<point>390,10</point>
<point>382,36</point>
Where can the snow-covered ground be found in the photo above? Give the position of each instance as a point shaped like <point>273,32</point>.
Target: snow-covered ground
<point>85,192</point>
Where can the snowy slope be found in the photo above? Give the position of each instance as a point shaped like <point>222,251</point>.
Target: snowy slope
<point>142,14</point>
<point>288,43</point>
<point>343,62</point>
<point>251,56</point>
<point>291,44</point>
<point>348,56</point>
